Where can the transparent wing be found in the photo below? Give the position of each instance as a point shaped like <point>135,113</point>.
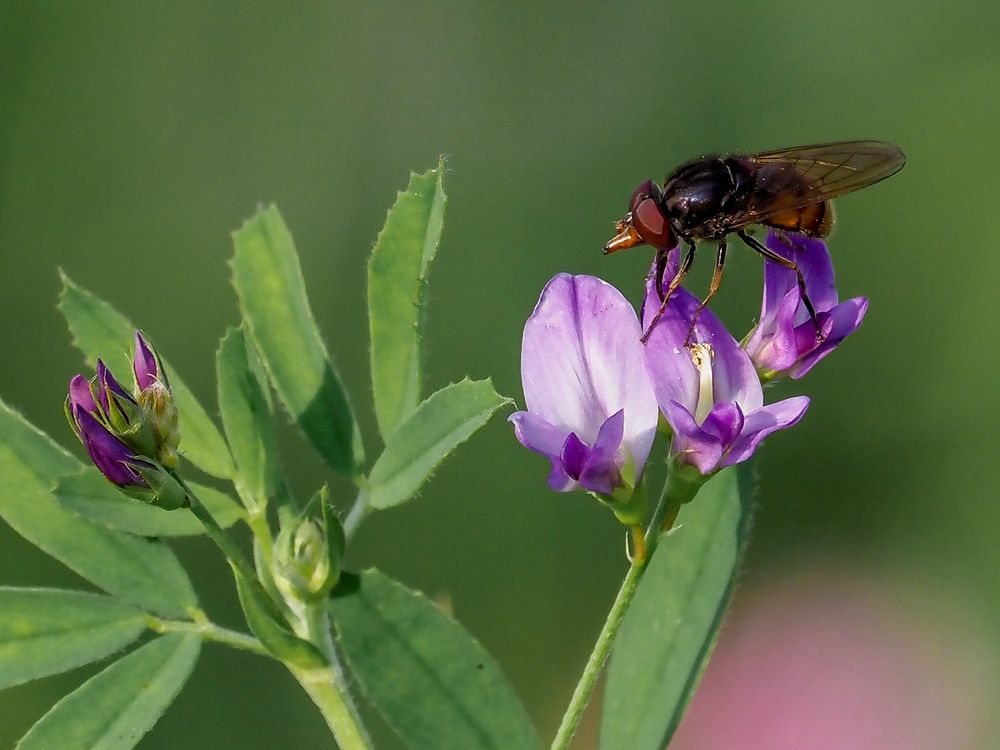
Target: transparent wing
<point>793,178</point>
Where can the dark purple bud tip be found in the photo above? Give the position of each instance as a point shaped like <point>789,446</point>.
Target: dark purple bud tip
<point>145,363</point>
<point>80,394</point>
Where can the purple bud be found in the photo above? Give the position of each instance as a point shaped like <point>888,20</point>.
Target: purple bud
<point>108,453</point>
<point>80,394</point>
<point>108,386</point>
<point>145,364</point>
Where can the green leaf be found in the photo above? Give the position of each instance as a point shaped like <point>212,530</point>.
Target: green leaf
<point>670,629</point>
<point>90,495</point>
<point>432,681</point>
<point>440,424</point>
<point>48,631</point>
<point>269,625</point>
<point>268,281</point>
<point>397,277</point>
<point>101,331</point>
<point>246,413</point>
<point>115,708</point>
<point>141,571</point>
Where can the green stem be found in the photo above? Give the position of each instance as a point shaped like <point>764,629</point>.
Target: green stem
<point>209,631</point>
<point>222,541</point>
<point>328,691</point>
<point>356,514</point>
<point>679,488</point>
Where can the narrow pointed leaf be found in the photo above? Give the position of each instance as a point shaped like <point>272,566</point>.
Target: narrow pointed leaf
<point>432,681</point>
<point>115,708</point>
<point>397,277</point>
<point>48,631</point>
<point>246,413</point>
<point>670,629</point>
<point>88,494</point>
<point>272,293</point>
<point>142,571</point>
<point>439,425</point>
<point>100,331</point>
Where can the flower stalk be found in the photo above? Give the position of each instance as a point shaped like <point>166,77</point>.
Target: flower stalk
<point>680,488</point>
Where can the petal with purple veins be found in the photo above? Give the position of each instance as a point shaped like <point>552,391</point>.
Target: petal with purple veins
<point>672,369</point>
<point>813,259</point>
<point>581,362</point>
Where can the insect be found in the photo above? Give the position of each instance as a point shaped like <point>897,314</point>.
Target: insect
<point>715,196</point>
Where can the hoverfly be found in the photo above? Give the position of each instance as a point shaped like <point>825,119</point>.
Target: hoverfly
<point>714,196</point>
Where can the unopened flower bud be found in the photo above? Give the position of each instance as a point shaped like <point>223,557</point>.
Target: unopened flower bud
<point>302,570</point>
<point>131,437</point>
<point>156,400</point>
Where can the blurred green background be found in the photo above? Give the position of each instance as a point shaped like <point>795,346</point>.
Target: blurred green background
<point>135,136</point>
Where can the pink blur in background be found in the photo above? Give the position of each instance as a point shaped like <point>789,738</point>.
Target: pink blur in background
<point>827,663</point>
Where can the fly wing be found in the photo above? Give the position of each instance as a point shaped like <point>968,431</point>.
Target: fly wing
<point>793,178</point>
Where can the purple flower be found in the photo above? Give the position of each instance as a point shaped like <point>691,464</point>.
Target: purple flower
<point>785,341</point>
<point>590,404</point>
<point>709,391</point>
<point>112,456</point>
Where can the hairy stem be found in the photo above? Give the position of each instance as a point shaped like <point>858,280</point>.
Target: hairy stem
<point>330,695</point>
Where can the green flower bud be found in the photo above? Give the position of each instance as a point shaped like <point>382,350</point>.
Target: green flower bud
<point>302,562</point>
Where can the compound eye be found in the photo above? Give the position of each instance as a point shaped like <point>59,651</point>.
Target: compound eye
<point>645,190</point>
<point>651,224</point>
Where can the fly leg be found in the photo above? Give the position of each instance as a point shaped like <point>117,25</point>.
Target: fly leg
<point>789,264</point>
<point>720,261</point>
<point>671,288</point>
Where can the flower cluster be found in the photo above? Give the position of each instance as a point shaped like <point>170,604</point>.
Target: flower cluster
<point>132,436</point>
<point>594,393</point>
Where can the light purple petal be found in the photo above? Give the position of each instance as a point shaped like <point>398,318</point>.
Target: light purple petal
<point>80,394</point>
<point>845,319</point>
<point>581,362</point>
<point>537,435</point>
<point>674,374</point>
<point>691,443</point>
<point>106,451</point>
<point>602,470</point>
<point>144,363</point>
<point>762,423</point>
<point>812,258</point>
<point>773,344</point>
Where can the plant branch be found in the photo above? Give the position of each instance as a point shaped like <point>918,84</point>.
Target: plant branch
<point>209,631</point>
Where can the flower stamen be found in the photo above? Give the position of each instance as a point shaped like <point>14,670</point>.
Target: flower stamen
<point>701,355</point>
